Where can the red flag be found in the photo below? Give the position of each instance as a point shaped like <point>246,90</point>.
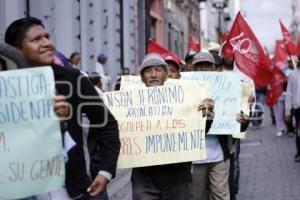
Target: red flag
<point>243,46</point>
<point>193,45</point>
<point>276,87</point>
<point>224,37</point>
<point>153,47</point>
<point>280,58</point>
<point>288,40</point>
<point>280,54</point>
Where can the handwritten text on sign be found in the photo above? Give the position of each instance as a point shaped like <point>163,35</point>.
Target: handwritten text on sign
<point>159,125</point>
<point>31,160</point>
<point>224,88</point>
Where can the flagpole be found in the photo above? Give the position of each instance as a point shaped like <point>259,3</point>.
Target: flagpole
<point>288,42</point>
<point>221,48</point>
<point>293,61</point>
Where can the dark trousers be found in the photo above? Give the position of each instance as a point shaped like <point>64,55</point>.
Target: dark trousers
<point>237,165</point>
<point>162,182</point>
<point>289,125</point>
<point>297,132</point>
<point>234,171</point>
<point>231,178</point>
<point>102,196</point>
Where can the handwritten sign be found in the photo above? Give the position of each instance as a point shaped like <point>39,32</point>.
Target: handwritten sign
<point>132,82</point>
<point>31,160</point>
<point>224,88</point>
<point>159,125</point>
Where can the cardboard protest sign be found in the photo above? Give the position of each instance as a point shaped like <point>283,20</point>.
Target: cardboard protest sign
<point>159,125</point>
<point>224,88</point>
<point>132,82</point>
<point>31,160</point>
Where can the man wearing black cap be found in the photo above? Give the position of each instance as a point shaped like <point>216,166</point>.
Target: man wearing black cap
<point>188,60</point>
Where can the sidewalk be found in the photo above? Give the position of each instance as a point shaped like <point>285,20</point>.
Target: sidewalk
<point>268,170</point>
<point>120,187</point>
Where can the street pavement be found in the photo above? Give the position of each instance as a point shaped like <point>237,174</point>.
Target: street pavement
<point>268,170</point>
<point>267,167</point>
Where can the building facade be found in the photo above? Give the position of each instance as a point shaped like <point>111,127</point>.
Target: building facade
<point>295,18</point>
<point>181,20</point>
<point>118,28</point>
<point>216,18</point>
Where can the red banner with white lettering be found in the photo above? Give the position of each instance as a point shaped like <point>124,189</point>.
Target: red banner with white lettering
<point>288,40</point>
<point>243,46</point>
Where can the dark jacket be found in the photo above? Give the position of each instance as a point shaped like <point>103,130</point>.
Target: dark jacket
<point>224,139</point>
<point>103,141</point>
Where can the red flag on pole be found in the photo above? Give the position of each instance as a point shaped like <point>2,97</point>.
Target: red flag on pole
<point>154,47</point>
<point>276,87</point>
<point>243,46</point>
<point>224,37</point>
<point>280,53</point>
<point>288,40</point>
<point>280,58</point>
<point>193,45</point>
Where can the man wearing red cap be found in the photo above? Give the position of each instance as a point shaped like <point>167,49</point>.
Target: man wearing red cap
<point>173,67</point>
